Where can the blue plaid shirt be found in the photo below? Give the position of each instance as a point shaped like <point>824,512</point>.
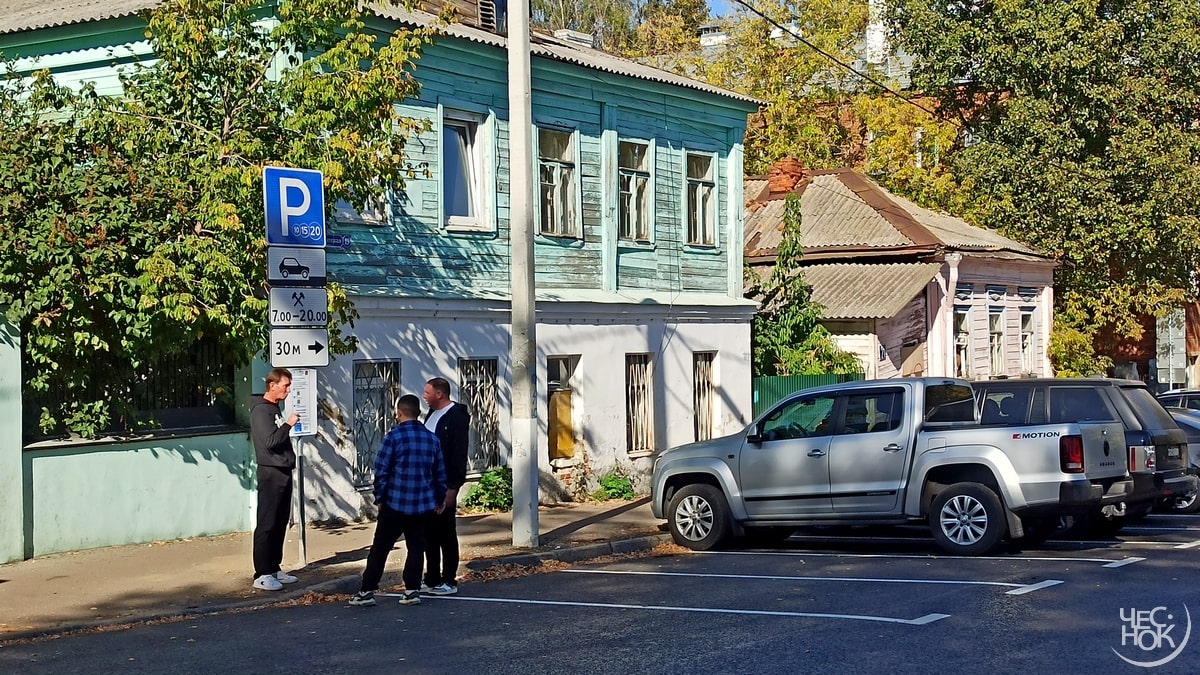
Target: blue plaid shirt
<point>410,475</point>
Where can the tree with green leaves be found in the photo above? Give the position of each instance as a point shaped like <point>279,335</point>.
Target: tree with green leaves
<point>787,337</point>
<point>1082,119</point>
<point>131,227</point>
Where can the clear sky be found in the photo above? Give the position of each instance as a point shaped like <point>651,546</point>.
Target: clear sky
<point>719,7</point>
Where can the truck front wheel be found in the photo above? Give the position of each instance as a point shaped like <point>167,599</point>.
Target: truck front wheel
<point>967,519</point>
<point>698,517</point>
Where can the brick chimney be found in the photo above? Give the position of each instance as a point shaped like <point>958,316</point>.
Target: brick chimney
<point>786,175</point>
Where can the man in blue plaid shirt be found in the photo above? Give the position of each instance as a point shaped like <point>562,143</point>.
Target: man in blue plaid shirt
<point>410,487</point>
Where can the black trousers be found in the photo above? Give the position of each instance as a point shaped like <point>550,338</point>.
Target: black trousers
<point>388,528</point>
<point>274,507</point>
<point>441,552</point>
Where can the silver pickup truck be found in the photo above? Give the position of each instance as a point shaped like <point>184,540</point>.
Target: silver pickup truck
<point>887,452</point>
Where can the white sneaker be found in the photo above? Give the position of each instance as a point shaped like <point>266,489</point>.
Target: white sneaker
<point>285,578</point>
<point>268,583</point>
<point>443,589</point>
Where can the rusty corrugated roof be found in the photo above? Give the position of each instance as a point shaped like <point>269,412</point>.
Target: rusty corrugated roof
<point>844,210</point>
<point>866,291</point>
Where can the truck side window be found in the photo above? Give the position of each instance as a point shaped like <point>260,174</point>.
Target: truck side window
<point>799,419</point>
<point>876,411</point>
<point>949,403</point>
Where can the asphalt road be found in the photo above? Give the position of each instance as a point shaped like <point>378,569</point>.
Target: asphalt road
<point>869,601</point>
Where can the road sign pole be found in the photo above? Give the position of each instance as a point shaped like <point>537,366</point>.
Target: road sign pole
<point>300,501</point>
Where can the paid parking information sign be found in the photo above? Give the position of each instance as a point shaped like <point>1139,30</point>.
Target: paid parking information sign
<point>295,207</point>
<point>294,200</point>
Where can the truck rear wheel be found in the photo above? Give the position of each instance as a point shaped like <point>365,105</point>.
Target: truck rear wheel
<point>698,517</point>
<point>967,519</point>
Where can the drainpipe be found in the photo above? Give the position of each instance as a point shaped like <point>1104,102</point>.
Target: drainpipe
<point>952,259</point>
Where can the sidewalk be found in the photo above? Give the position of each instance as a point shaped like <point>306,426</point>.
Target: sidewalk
<point>125,584</point>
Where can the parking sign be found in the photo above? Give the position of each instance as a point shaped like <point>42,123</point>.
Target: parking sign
<point>295,207</point>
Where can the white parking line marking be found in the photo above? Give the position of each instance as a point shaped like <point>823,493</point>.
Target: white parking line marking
<point>1146,528</point>
<point>919,621</point>
<point>1019,588</point>
<point>920,557</point>
<point>1034,587</point>
<point>1193,544</point>
<point>1122,563</point>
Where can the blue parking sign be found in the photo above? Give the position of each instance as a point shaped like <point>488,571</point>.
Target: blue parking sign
<point>295,206</point>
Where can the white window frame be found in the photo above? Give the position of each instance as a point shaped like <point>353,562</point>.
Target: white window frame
<point>641,209</point>
<point>477,128</point>
<point>962,342</point>
<point>996,340</point>
<point>705,212</point>
<point>562,193</point>
<point>1028,342</point>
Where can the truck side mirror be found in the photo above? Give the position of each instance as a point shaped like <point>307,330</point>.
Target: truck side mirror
<point>755,435</point>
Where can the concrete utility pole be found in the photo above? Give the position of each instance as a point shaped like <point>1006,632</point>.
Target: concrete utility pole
<point>524,318</point>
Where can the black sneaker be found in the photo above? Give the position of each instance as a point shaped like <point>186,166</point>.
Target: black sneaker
<point>410,598</point>
<point>363,599</point>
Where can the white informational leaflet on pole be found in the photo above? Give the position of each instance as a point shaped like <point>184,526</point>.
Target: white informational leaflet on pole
<point>302,400</point>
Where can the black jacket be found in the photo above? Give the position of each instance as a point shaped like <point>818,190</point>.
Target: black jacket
<point>272,444</point>
<point>453,430</point>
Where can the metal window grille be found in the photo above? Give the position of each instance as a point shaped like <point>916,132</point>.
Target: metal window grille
<point>477,390</point>
<point>376,391</point>
<point>703,394</point>
<point>639,404</point>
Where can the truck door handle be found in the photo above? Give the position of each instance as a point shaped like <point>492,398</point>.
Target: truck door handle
<point>816,452</point>
<point>892,447</point>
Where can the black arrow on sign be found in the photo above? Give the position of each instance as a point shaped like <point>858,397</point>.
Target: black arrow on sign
<point>316,347</point>
<point>297,299</point>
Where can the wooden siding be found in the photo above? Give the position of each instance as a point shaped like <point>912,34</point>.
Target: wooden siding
<point>410,252</point>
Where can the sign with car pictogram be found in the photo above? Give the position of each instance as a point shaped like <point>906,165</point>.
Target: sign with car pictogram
<point>296,306</point>
<point>288,266</point>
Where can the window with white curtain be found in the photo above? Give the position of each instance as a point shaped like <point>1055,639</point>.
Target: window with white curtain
<point>463,192</point>
<point>701,199</point>
<point>556,182</point>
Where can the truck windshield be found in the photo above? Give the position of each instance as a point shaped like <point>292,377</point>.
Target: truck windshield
<point>949,403</point>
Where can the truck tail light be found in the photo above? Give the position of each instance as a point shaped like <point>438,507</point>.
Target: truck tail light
<point>1070,454</point>
<point>1142,458</point>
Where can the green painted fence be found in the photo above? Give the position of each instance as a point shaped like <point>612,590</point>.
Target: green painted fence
<point>769,390</point>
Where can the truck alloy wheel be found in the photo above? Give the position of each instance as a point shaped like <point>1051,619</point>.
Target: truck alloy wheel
<point>967,519</point>
<point>698,517</point>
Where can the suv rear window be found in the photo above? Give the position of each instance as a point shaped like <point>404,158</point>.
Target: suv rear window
<point>1147,409</point>
<point>949,403</point>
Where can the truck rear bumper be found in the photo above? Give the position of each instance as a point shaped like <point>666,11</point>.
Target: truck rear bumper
<point>1079,493</point>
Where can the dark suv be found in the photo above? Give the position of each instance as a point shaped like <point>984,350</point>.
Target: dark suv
<point>1156,448</point>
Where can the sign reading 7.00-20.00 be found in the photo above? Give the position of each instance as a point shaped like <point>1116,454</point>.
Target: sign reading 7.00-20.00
<point>294,202</point>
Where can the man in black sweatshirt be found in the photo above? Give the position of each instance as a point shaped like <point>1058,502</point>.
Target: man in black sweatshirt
<point>276,459</point>
<point>451,422</point>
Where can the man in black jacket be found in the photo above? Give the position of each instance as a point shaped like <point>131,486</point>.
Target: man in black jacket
<point>451,422</point>
<point>276,459</point>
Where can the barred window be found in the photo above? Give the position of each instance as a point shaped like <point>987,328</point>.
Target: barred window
<point>639,404</point>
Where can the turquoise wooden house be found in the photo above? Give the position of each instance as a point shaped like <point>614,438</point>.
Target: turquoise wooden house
<point>643,335</point>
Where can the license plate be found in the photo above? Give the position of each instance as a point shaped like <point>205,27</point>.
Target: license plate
<point>1173,453</point>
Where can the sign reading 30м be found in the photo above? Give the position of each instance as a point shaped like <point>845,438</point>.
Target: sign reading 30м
<point>295,207</point>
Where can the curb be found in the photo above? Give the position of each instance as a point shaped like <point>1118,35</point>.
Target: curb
<point>344,585</point>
